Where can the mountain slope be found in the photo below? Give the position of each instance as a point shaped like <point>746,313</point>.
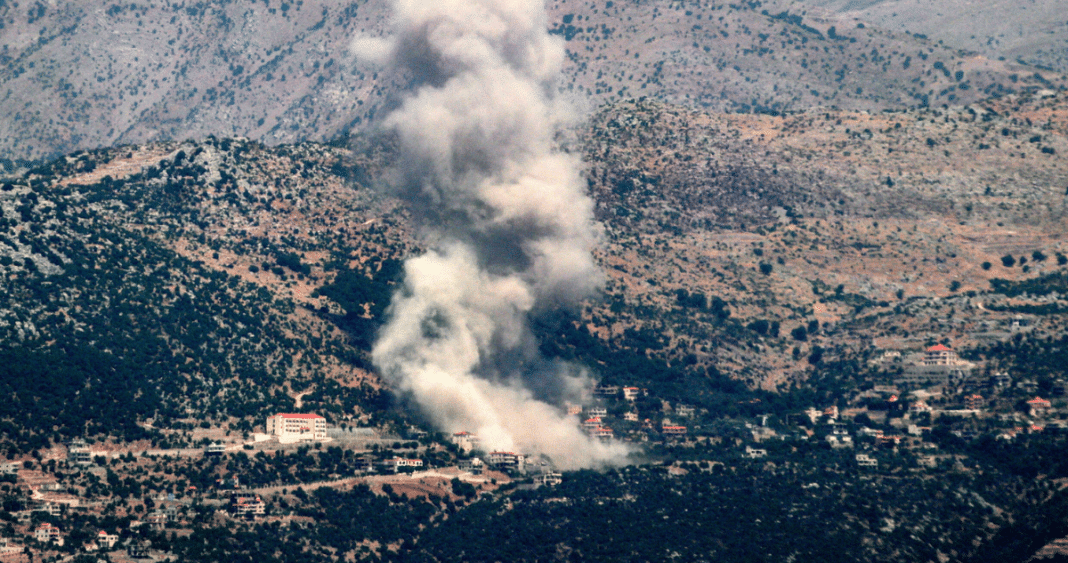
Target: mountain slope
<point>97,73</point>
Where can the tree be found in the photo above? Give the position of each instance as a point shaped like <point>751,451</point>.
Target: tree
<point>1008,261</point>
<point>986,265</point>
<point>765,268</point>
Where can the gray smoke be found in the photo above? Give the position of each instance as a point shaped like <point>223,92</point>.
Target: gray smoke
<point>510,228</point>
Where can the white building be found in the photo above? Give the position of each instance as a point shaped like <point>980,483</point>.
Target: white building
<point>398,462</point>
<point>466,441</point>
<point>290,428</point>
<point>47,533</point>
<point>247,504</point>
<point>552,479</point>
<point>106,540</point>
<point>507,460</point>
<point>473,466</point>
<point>864,460</point>
<point>755,453</point>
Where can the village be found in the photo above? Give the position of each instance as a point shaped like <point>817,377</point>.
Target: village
<point>138,492</point>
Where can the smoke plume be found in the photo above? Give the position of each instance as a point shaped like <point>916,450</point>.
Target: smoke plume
<point>509,226</point>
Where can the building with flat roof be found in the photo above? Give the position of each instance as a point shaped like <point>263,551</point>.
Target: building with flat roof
<point>289,428</point>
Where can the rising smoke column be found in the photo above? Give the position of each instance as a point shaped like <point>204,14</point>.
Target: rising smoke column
<point>510,228</point>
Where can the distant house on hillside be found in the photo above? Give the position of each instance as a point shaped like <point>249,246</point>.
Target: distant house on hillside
<point>466,441</point>
<point>939,365</point>
<point>1039,406</point>
<point>47,533</point>
<point>291,428</point>
<point>674,431</point>
<point>248,505</point>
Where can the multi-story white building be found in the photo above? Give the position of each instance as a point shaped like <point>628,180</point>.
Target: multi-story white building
<point>297,427</point>
<point>106,540</point>
<point>47,533</point>
<point>507,460</point>
<point>674,430</point>
<point>248,505</point>
<point>940,355</point>
<point>864,460</point>
<point>466,441</point>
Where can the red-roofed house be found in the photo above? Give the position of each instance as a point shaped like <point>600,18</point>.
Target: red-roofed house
<point>974,402</point>
<point>602,432</point>
<point>1039,406</point>
<point>105,540</point>
<point>297,427</point>
<point>674,431</point>
<point>592,424</point>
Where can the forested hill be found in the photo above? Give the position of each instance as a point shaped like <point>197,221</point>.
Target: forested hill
<point>224,278</point>
<point>756,265</point>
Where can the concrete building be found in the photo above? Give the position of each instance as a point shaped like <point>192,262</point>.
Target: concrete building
<point>602,432</point>
<point>214,450</point>
<point>78,452</point>
<point>290,428</point>
<point>864,460</point>
<point>674,431</point>
<point>1039,406</point>
<point>938,366</point>
<point>466,441</point>
<point>248,505</point>
<point>507,460</point>
<point>552,479</point>
<point>47,533</point>
<point>397,463</point>
<point>106,540</point>
<point>473,466</point>
<point>755,453</point>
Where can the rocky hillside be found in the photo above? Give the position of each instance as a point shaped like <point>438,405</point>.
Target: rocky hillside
<point>741,251</point>
<point>1032,33</point>
<point>99,73</point>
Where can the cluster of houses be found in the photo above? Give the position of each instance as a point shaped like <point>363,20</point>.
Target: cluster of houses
<point>593,420</point>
